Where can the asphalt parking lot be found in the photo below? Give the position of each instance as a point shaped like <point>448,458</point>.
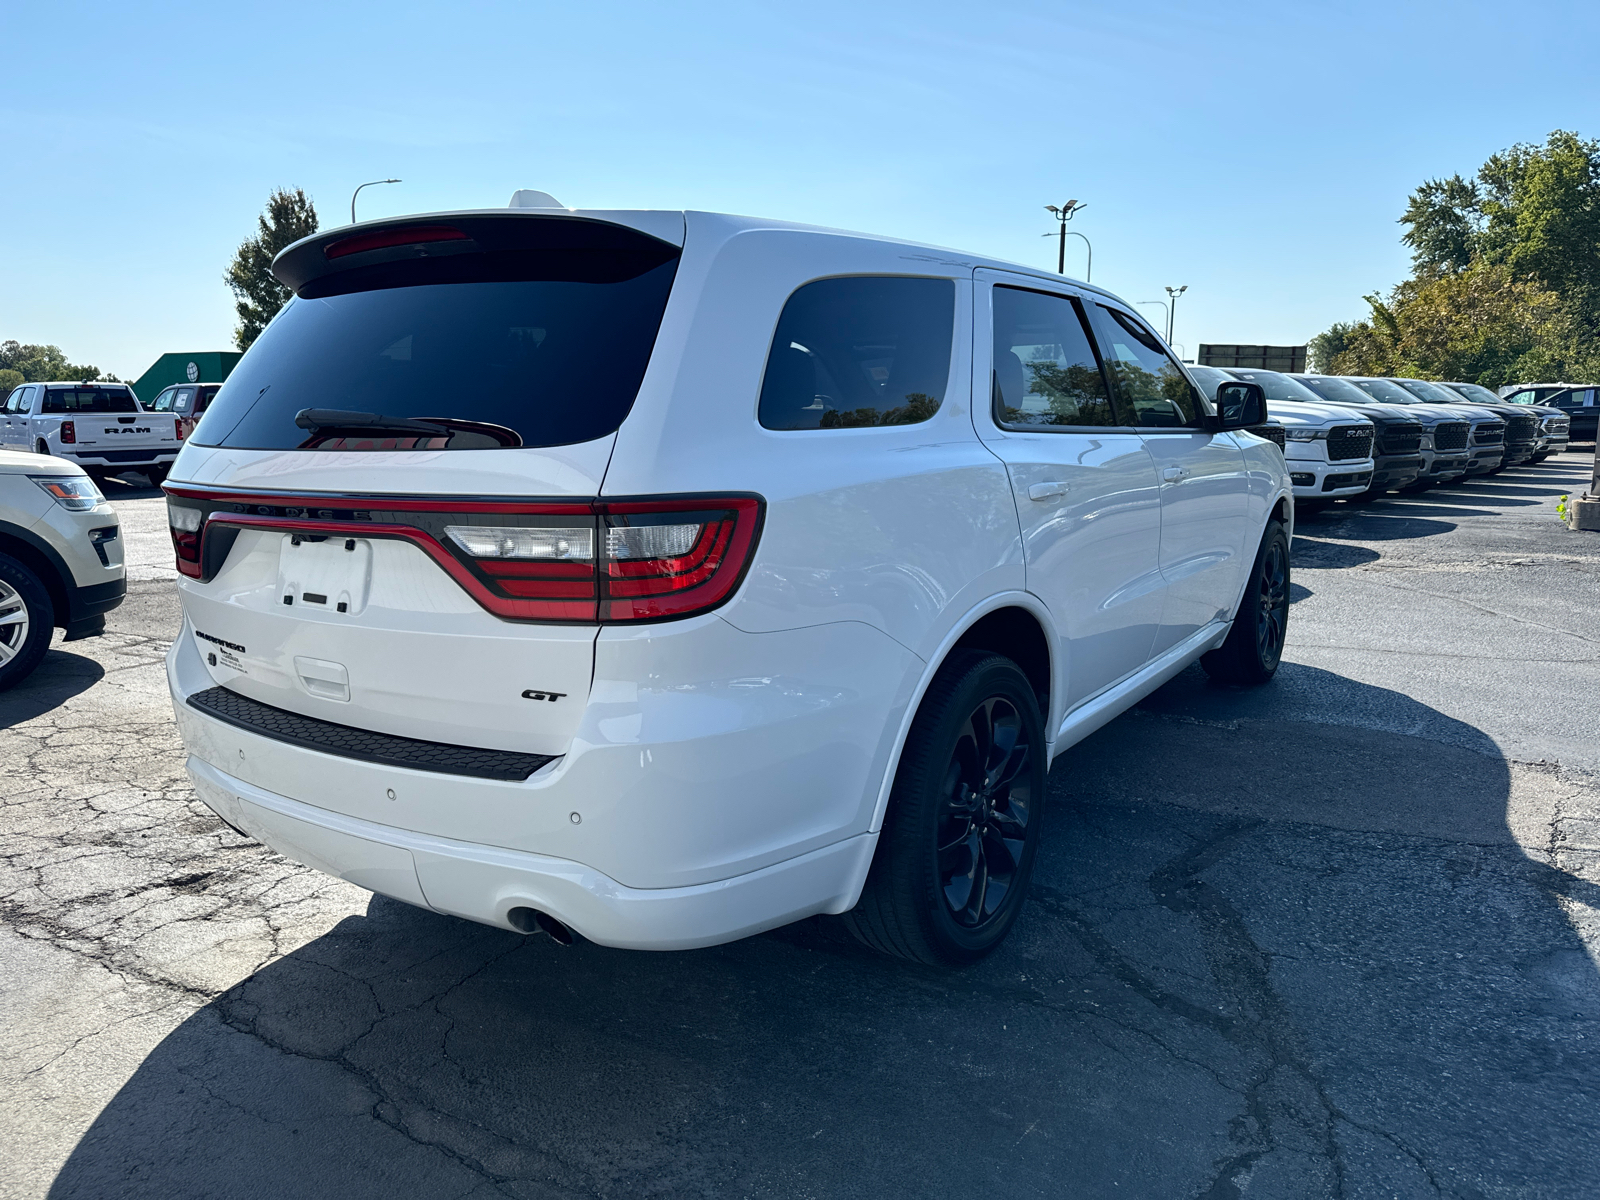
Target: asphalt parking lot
<point>1334,937</point>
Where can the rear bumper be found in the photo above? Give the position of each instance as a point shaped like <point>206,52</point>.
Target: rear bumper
<point>122,460</point>
<point>484,883</point>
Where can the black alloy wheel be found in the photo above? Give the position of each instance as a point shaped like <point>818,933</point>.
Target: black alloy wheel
<point>1254,647</point>
<point>956,852</point>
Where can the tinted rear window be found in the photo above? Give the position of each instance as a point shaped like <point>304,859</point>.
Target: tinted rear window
<point>89,400</point>
<point>532,346</point>
<point>857,352</point>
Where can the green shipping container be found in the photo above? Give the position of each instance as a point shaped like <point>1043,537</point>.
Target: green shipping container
<point>206,366</point>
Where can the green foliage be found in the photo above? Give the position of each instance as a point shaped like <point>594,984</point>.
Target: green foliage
<point>289,216</point>
<point>1505,282</point>
<point>919,406</point>
<point>1328,345</point>
<point>40,364</point>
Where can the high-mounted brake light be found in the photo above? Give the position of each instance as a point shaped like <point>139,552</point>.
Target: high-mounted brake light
<point>382,239</point>
<point>69,432</point>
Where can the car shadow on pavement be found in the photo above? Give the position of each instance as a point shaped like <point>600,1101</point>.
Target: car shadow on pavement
<point>60,676</point>
<point>1327,556</point>
<point>1281,935</point>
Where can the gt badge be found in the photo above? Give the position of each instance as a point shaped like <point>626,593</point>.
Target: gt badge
<point>536,694</point>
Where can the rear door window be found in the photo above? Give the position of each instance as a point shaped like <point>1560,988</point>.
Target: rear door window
<point>163,402</point>
<point>858,352</point>
<point>1046,374</point>
<point>1149,385</point>
<point>67,401</point>
<point>529,332</point>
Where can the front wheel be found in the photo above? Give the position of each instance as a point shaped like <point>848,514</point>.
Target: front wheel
<point>27,620</point>
<point>956,852</point>
<point>1255,643</point>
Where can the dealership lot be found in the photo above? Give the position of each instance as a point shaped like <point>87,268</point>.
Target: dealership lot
<point>1331,937</point>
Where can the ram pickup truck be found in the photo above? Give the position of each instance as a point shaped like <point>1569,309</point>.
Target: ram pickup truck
<point>100,426</point>
<point>1328,448</point>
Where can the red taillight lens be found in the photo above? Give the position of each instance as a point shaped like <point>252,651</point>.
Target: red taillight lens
<point>665,559</point>
<point>184,522</point>
<point>69,432</point>
<point>177,428</point>
<point>382,239</point>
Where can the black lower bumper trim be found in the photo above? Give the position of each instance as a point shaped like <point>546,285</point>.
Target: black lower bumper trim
<point>365,745</point>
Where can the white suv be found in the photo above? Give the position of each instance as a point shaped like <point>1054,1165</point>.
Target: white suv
<point>60,559</point>
<point>667,577</point>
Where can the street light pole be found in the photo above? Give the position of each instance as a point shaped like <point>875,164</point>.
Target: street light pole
<point>1172,314</point>
<point>357,192</point>
<point>1063,214</point>
<point>1165,312</point>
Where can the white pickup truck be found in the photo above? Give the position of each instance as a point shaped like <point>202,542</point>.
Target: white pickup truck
<point>100,426</point>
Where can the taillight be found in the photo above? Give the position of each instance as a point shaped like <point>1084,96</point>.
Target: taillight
<point>612,561</point>
<point>69,432</point>
<point>663,559</point>
<point>177,428</point>
<point>642,561</point>
<point>183,522</point>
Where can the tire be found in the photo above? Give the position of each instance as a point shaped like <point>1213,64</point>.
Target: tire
<point>948,846</point>
<point>41,447</point>
<point>27,621</point>
<point>157,475</point>
<point>1254,648</point>
<point>1421,485</point>
<point>1538,458</point>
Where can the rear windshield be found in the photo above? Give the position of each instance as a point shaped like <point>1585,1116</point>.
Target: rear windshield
<point>528,347</point>
<point>89,400</point>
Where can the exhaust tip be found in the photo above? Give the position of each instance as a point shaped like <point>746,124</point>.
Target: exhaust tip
<point>531,920</point>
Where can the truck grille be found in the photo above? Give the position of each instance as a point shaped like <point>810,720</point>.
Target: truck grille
<point>1273,433</point>
<point>1401,437</point>
<point>1451,435</point>
<point>1522,429</point>
<point>348,742</point>
<point>1490,433</point>
<point>1349,441</point>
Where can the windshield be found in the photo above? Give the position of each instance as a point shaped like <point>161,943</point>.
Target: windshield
<point>540,347</point>
<point>1476,392</point>
<point>1276,386</point>
<point>1430,392</point>
<point>1333,388</point>
<point>89,400</point>
<point>1382,389</point>
<point>1209,379</point>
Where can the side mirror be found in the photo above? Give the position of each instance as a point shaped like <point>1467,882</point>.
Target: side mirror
<point>1239,405</point>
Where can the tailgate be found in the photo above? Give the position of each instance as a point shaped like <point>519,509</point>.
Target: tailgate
<point>371,633</point>
<point>120,431</point>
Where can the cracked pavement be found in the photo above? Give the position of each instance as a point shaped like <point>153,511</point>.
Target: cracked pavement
<point>1331,938</point>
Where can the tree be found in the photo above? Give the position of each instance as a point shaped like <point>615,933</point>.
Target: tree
<point>289,216</point>
<point>1505,281</point>
<point>42,364</point>
<point>1328,345</point>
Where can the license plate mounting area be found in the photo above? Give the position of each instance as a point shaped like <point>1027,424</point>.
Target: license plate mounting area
<point>325,574</point>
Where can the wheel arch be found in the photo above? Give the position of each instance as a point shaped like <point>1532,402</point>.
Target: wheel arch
<point>43,561</point>
<point>1010,623</point>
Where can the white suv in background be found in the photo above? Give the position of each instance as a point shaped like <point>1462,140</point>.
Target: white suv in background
<point>1328,449</point>
<point>60,559</point>
<point>667,577</point>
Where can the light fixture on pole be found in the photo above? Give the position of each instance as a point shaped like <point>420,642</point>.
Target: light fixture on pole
<point>1172,314</point>
<point>357,192</point>
<point>1064,213</point>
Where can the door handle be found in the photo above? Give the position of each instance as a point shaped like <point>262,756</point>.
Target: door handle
<point>1174,474</point>
<point>1046,491</point>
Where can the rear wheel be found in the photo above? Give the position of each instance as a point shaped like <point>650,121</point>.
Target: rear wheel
<point>1255,643</point>
<point>41,447</point>
<point>27,620</point>
<point>957,848</point>
<point>156,475</point>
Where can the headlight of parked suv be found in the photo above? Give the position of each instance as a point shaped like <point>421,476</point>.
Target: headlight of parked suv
<point>73,492</point>
<point>1306,435</point>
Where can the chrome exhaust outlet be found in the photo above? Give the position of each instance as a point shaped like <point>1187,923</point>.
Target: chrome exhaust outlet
<point>531,920</point>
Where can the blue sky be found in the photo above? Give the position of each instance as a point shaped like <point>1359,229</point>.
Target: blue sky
<point>1259,153</point>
